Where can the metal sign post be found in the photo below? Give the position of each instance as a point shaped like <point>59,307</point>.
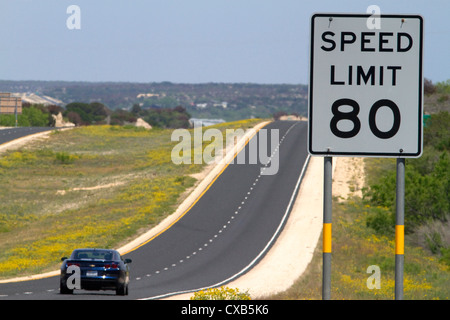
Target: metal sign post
<point>399,228</point>
<point>327,210</point>
<point>15,112</point>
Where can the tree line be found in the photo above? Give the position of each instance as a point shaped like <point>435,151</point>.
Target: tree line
<point>95,113</point>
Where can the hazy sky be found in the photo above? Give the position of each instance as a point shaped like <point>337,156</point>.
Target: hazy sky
<point>187,41</point>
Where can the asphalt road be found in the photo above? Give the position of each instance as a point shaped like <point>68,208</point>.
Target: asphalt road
<point>7,135</point>
<point>223,235</point>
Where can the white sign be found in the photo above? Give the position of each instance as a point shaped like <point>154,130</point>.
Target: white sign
<point>366,86</point>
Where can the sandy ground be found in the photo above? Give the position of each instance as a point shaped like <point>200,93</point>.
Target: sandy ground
<point>292,252</point>
<point>348,179</point>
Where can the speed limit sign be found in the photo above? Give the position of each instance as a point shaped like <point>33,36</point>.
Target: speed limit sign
<point>366,86</point>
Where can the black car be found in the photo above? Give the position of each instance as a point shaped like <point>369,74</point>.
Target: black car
<point>95,269</point>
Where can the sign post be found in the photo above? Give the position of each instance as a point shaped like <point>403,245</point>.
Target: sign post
<point>365,100</point>
<point>399,228</point>
<point>327,205</point>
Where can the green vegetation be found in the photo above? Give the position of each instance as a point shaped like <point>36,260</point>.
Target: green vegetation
<point>86,113</point>
<point>163,117</point>
<point>95,113</point>
<point>437,96</point>
<point>427,181</point>
<point>32,116</point>
<point>92,186</point>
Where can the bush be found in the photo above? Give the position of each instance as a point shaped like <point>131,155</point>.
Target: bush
<point>168,118</point>
<point>429,87</point>
<point>121,117</point>
<point>88,113</point>
<point>7,120</point>
<point>65,158</point>
<point>382,221</point>
<point>277,115</point>
<point>31,117</point>
<point>427,181</point>
<point>445,252</point>
<point>427,196</point>
<point>436,134</point>
<point>443,87</point>
<point>434,242</point>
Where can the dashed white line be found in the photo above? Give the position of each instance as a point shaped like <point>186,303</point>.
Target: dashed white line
<point>242,203</point>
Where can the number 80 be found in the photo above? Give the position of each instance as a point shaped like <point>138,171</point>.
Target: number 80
<point>353,117</point>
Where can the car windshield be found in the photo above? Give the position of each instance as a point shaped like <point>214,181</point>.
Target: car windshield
<point>92,254</point>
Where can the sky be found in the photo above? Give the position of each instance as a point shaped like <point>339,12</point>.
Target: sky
<point>187,41</point>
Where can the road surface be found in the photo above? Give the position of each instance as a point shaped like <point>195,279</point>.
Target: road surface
<point>10,134</point>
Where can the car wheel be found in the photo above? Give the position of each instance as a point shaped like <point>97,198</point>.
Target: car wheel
<point>122,290</point>
<point>64,290</point>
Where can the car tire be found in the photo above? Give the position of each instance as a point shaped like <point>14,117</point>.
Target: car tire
<point>64,290</point>
<point>122,290</point>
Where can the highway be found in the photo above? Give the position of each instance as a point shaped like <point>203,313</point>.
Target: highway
<point>228,230</point>
<point>10,134</point>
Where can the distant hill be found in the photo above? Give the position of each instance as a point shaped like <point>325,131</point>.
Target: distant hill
<point>229,101</point>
